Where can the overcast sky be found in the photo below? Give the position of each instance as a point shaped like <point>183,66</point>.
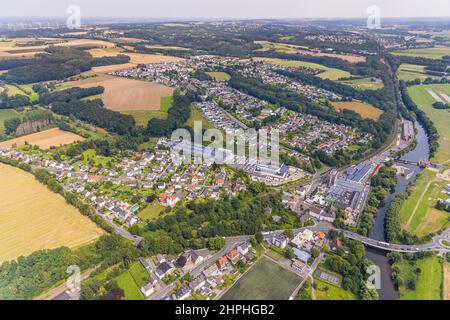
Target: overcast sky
<point>225,8</point>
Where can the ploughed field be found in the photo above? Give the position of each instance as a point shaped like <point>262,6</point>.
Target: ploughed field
<point>34,218</point>
<point>44,139</point>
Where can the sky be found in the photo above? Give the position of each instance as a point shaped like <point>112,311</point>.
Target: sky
<point>223,9</point>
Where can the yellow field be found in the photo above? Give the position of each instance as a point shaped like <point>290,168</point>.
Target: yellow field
<point>33,218</point>
<point>123,94</point>
<point>446,281</point>
<point>364,109</point>
<point>12,49</point>
<point>135,59</point>
<point>45,139</point>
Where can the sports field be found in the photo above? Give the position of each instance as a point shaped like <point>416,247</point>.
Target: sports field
<point>441,118</point>
<point>436,52</point>
<point>7,114</point>
<point>122,94</point>
<point>429,281</point>
<point>44,139</point>
<point>418,214</point>
<point>265,281</point>
<point>34,218</point>
<point>364,109</point>
<point>329,73</point>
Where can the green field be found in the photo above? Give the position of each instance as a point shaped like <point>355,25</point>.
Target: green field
<point>139,274</point>
<point>409,72</point>
<point>440,118</point>
<point>129,285</point>
<point>431,53</point>
<point>152,211</point>
<point>326,291</point>
<point>166,104</point>
<point>220,76</point>
<point>429,281</point>
<point>7,114</point>
<point>329,73</point>
<point>197,115</point>
<point>418,214</point>
<point>265,281</point>
<point>364,84</point>
<point>90,157</point>
<point>24,89</point>
<point>142,117</point>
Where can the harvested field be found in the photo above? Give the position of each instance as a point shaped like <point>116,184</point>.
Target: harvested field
<point>136,58</point>
<point>33,218</point>
<point>45,139</point>
<point>364,109</point>
<point>123,94</point>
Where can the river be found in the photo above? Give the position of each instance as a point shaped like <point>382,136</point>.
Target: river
<point>420,152</point>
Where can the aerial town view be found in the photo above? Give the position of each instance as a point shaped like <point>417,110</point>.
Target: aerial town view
<point>189,151</point>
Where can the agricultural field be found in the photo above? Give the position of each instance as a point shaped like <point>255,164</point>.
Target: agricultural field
<point>135,60</point>
<point>429,281</point>
<point>142,117</point>
<point>24,89</point>
<point>265,281</point>
<point>364,83</point>
<point>219,76</point>
<point>436,52</point>
<point>418,214</point>
<point>329,73</point>
<point>34,218</point>
<point>364,109</point>
<point>302,50</point>
<point>422,96</point>
<point>7,114</point>
<point>16,48</point>
<point>122,94</point>
<point>44,139</point>
<point>446,280</point>
<point>408,72</point>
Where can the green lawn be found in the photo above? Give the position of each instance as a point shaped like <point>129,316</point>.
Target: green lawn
<point>7,114</point>
<point>329,73</point>
<point>220,76</point>
<point>429,281</point>
<point>440,118</point>
<point>364,84</point>
<point>152,211</point>
<point>326,291</point>
<point>431,53</point>
<point>90,156</point>
<point>24,89</point>
<point>127,283</point>
<point>197,115</point>
<point>139,274</point>
<point>265,281</point>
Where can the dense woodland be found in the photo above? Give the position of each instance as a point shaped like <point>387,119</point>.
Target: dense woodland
<point>57,63</point>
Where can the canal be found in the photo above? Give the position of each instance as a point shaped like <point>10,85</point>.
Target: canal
<point>420,152</point>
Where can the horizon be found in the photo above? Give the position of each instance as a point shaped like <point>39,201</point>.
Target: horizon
<point>207,10</point>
